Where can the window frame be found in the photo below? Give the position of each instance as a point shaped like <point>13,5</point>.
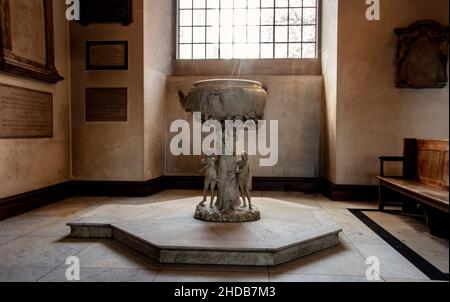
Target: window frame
<point>180,63</point>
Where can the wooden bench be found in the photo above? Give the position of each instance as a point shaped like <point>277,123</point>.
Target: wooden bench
<point>424,180</point>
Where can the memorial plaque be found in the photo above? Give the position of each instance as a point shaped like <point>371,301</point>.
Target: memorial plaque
<point>25,113</point>
<point>27,39</point>
<point>107,55</point>
<point>106,104</point>
<point>105,11</point>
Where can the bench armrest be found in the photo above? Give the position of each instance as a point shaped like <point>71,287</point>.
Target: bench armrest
<point>384,159</point>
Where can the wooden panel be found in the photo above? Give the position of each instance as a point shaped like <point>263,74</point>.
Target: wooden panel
<point>27,39</point>
<point>445,176</point>
<point>433,163</point>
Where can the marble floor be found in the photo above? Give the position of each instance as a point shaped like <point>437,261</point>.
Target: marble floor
<point>34,248</point>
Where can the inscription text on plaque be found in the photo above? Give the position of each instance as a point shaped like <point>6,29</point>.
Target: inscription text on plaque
<point>25,113</point>
<point>106,104</point>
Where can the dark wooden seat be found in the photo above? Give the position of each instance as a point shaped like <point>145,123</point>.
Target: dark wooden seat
<point>424,180</point>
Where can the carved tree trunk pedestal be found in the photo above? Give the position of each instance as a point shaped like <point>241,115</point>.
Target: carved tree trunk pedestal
<point>227,100</point>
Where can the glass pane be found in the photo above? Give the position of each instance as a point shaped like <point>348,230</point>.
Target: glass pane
<point>309,34</point>
<point>280,51</point>
<point>267,3</point>
<point>226,4</point>
<point>295,16</point>
<point>226,17</point>
<point>267,51</point>
<point>295,51</point>
<point>199,17</point>
<point>185,34</point>
<point>295,3</point>
<point>253,3</point>
<point>240,17</point>
<point>309,16</point>
<point>212,3</point>
<point>281,16</point>
<point>212,17</point>
<point>267,17</point>
<point>212,35</point>
<point>281,33</point>
<point>295,34</point>
<point>240,3</point>
<point>199,3</point>
<point>226,34</point>
<point>199,51</point>
<point>226,51</point>
<point>253,34</point>
<point>186,17</point>
<point>281,3</point>
<point>309,51</point>
<point>185,3</point>
<point>267,34</point>
<point>240,34</point>
<point>199,35</point>
<point>252,51</point>
<point>253,17</point>
<point>212,51</point>
<point>310,3</point>
<point>185,51</point>
<point>240,51</point>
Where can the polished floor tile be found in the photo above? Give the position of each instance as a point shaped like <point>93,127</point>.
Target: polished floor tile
<point>414,233</point>
<point>210,276</point>
<point>342,260</point>
<point>22,274</point>
<point>39,251</point>
<point>315,278</point>
<point>109,254</point>
<point>34,246</point>
<point>103,275</point>
<point>392,264</point>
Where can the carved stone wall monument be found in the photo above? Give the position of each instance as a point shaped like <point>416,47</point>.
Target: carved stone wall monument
<point>227,100</point>
<point>422,55</point>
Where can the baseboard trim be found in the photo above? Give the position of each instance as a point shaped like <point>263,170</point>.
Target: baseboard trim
<point>118,188</point>
<point>22,203</point>
<point>348,192</point>
<point>286,184</point>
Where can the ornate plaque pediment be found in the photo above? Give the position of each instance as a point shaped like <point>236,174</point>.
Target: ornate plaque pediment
<point>422,55</point>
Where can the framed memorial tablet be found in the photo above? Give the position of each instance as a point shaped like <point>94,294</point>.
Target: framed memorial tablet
<point>101,11</point>
<point>26,39</point>
<point>25,113</point>
<point>106,104</point>
<point>106,55</point>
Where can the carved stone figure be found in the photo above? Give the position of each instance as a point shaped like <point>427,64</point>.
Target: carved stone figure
<point>422,55</point>
<point>223,100</point>
<point>245,180</point>
<point>209,165</point>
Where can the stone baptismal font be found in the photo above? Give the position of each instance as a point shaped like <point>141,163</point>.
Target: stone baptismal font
<point>166,232</point>
<point>228,178</point>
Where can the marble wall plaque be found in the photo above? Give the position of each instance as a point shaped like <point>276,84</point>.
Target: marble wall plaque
<point>25,113</point>
<point>106,55</point>
<point>106,104</point>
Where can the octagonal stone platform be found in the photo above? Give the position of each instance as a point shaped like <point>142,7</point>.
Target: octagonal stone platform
<point>168,233</point>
